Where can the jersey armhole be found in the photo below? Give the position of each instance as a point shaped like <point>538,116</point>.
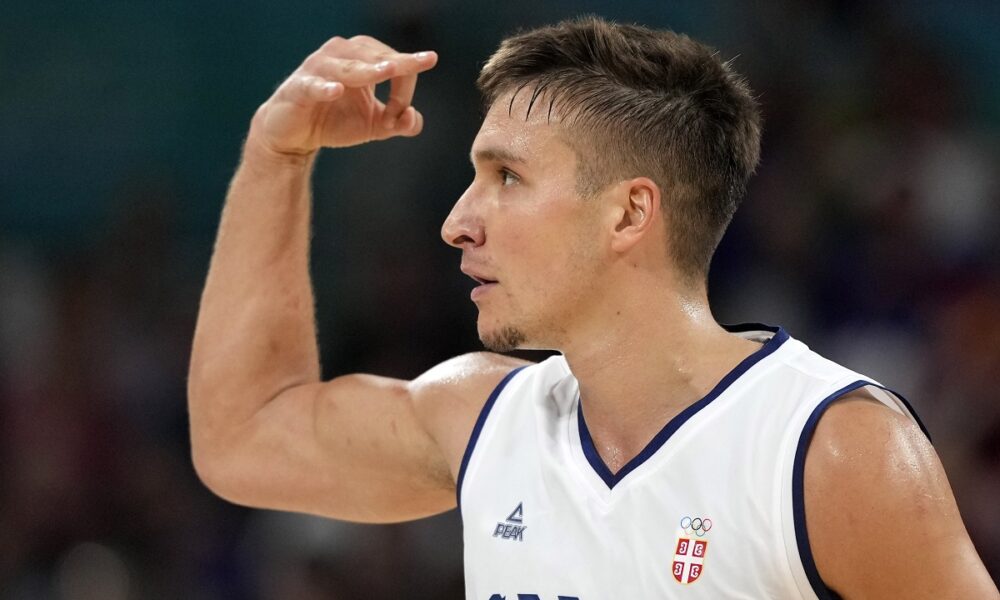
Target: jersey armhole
<point>884,395</point>
<point>477,430</point>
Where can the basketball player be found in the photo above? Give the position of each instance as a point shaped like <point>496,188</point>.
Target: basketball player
<point>660,455</point>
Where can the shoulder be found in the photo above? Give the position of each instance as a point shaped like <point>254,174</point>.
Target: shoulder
<point>449,397</point>
<point>880,514</point>
<point>463,378</point>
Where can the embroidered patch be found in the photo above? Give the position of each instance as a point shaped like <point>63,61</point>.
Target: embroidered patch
<point>690,550</point>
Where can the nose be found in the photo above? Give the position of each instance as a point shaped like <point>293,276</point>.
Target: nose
<point>464,226</point>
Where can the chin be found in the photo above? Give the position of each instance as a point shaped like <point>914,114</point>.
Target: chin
<point>503,339</point>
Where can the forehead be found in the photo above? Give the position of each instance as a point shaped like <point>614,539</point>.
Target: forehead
<point>510,131</point>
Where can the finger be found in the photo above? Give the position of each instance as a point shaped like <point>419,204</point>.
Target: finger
<point>351,72</point>
<point>369,50</point>
<point>401,88</point>
<point>372,50</point>
<point>319,89</point>
<point>360,47</point>
<point>409,124</point>
<point>417,62</point>
<point>400,96</point>
<point>305,89</point>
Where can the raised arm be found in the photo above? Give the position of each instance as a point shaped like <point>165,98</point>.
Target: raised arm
<point>265,431</point>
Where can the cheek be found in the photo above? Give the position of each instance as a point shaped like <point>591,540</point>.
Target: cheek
<point>555,264</point>
<point>551,244</point>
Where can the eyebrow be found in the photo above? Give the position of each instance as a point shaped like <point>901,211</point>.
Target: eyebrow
<point>496,155</point>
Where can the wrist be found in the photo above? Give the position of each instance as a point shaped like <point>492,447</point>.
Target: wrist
<point>259,155</point>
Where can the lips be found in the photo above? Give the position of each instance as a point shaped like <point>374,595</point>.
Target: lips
<point>484,280</point>
<point>478,275</point>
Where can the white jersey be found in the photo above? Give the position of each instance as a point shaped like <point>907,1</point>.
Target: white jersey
<point>712,508</point>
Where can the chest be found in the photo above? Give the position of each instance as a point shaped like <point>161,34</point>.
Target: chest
<point>692,517</point>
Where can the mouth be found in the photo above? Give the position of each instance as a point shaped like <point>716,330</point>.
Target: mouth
<point>483,286</point>
<point>482,281</point>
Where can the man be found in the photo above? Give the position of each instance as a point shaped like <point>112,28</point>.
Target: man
<point>660,455</point>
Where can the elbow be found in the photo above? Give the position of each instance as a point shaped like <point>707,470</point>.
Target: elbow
<point>212,463</point>
<point>208,440</point>
<point>217,476</point>
<point>217,455</point>
<point>209,468</point>
<point>222,466</point>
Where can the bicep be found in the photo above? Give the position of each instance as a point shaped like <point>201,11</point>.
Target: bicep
<point>880,512</point>
<point>352,448</point>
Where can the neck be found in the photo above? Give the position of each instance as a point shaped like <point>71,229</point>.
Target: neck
<point>656,352</point>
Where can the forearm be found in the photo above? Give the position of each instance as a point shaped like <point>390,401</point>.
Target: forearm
<point>256,327</point>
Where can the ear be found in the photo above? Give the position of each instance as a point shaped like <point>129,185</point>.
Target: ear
<point>638,212</point>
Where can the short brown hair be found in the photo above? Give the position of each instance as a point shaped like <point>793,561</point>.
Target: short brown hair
<point>643,102</point>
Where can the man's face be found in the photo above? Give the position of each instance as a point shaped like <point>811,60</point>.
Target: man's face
<point>531,242</point>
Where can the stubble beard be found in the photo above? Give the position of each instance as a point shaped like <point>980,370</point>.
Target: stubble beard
<point>508,338</point>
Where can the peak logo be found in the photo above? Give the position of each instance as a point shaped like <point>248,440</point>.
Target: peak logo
<point>512,528</point>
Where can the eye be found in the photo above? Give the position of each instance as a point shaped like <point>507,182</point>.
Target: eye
<point>507,177</point>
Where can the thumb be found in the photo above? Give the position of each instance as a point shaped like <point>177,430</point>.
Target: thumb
<point>409,124</point>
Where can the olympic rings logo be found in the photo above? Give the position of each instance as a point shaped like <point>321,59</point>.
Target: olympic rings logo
<point>697,526</point>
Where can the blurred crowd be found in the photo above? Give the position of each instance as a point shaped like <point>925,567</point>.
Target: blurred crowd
<point>870,232</point>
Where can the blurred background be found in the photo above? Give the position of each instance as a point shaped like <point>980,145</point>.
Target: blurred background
<point>870,232</point>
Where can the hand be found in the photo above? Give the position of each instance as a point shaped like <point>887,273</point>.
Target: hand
<point>330,99</point>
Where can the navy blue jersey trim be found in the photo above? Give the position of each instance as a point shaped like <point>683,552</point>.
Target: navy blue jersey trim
<point>798,473</point>
<point>745,327</point>
<point>611,479</point>
<point>477,429</point>
<point>913,413</point>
